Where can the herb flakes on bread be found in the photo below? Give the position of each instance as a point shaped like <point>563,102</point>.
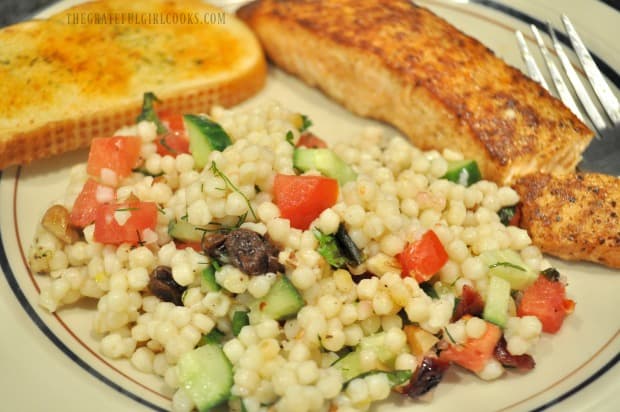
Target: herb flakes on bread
<point>65,81</point>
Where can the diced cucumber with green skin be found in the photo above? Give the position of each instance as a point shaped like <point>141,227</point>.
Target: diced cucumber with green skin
<point>206,375</point>
<point>497,301</point>
<point>239,320</point>
<point>207,280</point>
<point>205,135</point>
<point>281,302</point>
<point>350,364</point>
<point>395,377</point>
<point>185,231</point>
<point>463,172</point>
<point>325,161</point>
<point>507,264</point>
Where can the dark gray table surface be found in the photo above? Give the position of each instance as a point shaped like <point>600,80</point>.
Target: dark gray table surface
<point>12,11</point>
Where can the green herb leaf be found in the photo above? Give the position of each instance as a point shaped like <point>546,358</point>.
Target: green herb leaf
<point>217,172</point>
<point>305,123</point>
<point>449,336</point>
<point>148,112</point>
<point>289,138</point>
<point>328,248</point>
<point>506,214</point>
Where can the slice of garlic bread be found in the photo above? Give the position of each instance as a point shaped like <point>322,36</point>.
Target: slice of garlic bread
<point>82,72</point>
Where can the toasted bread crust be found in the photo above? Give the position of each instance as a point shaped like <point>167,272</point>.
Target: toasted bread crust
<point>400,63</point>
<point>59,93</point>
<point>574,216</point>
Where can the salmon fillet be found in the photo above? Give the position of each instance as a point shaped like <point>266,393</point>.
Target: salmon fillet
<point>574,216</point>
<point>400,63</point>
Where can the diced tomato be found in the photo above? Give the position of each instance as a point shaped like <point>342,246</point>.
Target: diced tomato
<point>197,246</point>
<point>172,120</point>
<point>310,141</point>
<point>108,230</point>
<point>546,299</point>
<point>85,207</point>
<point>423,258</point>
<point>176,140</point>
<point>301,199</point>
<point>118,154</point>
<point>474,353</point>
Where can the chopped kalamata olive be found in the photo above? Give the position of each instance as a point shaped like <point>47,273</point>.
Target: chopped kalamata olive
<point>250,252</point>
<point>56,220</point>
<point>522,362</point>
<point>470,303</point>
<point>426,377</point>
<point>552,274</point>
<point>245,249</point>
<point>164,287</point>
<point>213,245</point>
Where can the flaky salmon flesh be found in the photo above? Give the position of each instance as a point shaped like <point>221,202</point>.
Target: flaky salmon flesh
<point>400,63</point>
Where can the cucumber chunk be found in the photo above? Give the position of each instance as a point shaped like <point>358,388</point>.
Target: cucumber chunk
<point>350,364</point>
<point>206,375</point>
<point>205,135</point>
<point>185,231</point>
<point>281,302</point>
<point>497,301</point>
<point>463,172</point>
<point>507,264</point>
<point>395,378</point>
<point>325,161</point>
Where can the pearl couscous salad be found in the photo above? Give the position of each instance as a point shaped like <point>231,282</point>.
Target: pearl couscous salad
<point>253,265</point>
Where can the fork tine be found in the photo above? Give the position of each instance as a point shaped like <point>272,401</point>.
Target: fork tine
<point>600,86</point>
<point>580,90</point>
<point>561,87</point>
<point>530,63</point>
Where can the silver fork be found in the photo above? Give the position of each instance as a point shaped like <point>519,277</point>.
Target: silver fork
<point>603,153</point>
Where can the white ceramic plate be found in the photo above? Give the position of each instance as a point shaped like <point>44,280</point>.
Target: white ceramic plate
<point>52,362</point>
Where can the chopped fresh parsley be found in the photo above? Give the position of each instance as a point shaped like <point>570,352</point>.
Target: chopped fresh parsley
<point>328,248</point>
<point>289,138</point>
<point>305,123</point>
<point>148,112</point>
<point>217,172</point>
<point>338,249</point>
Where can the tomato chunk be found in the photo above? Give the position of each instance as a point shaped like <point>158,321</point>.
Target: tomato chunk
<point>124,222</point>
<point>90,198</point>
<point>176,140</point>
<point>118,154</point>
<point>474,353</point>
<point>546,299</point>
<point>311,141</point>
<point>423,258</point>
<point>301,199</point>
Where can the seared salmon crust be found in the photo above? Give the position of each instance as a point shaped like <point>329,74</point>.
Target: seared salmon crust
<point>574,216</point>
<point>400,63</point>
